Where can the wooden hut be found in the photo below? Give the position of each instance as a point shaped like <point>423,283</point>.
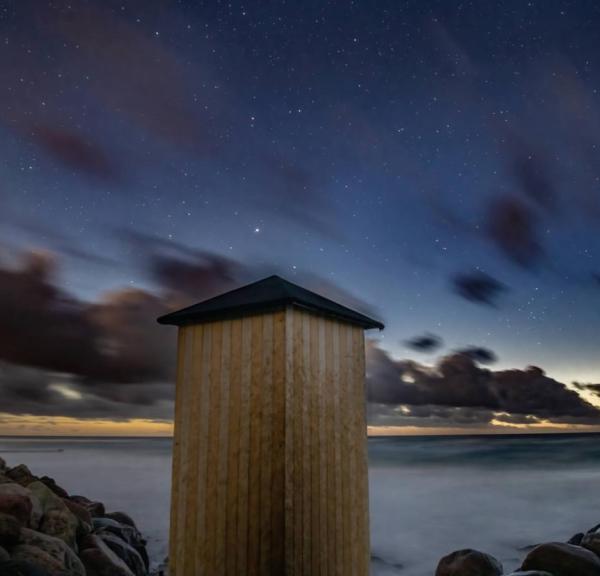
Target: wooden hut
<point>269,455</point>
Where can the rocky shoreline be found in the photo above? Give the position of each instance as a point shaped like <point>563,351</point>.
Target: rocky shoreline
<point>44,531</point>
<point>580,556</point>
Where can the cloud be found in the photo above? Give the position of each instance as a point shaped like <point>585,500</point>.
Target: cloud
<point>424,343</point>
<point>60,355</point>
<point>479,354</point>
<point>457,389</point>
<point>478,287</point>
<point>511,226</point>
<point>74,150</point>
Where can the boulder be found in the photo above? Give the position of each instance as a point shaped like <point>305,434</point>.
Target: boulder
<point>10,530</point>
<point>3,466</point>
<point>125,552</point>
<point>4,555</point>
<point>57,519</point>
<point>21,475</point>
<point>96,509</point>
<point>562,560</point>
<point>21,503</point>
<point>4,479</point>
<point>78,510</point>
<point>61,524</point>
<point>56,548</point>
<point>51,483</point>
<point>468,563</point>
<point>21,568</point>
<point>530,573</point>
<point>39,557</point>
<point>121,518</point>
<point>100,560</point>
<point>125,532</point>
<point>576,539</point>
<point>591,541</point>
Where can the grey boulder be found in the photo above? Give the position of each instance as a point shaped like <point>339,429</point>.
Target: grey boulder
<point>468,563</point>
<point>562,560</point>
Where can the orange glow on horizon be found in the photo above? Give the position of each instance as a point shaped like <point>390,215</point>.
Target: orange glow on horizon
<point>11,425</point>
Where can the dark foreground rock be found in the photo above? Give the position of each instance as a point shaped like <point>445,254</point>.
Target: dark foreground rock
<point>468,563</point>
<point>46,532</point>
<point>563,560</point>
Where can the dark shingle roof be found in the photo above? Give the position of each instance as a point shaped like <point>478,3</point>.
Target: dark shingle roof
<point>272,293</point>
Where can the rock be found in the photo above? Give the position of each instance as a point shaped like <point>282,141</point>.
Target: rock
<point>530,573</point>
<point>61,524</point>
<point>21,568</point>
<point>4,555</point>
<point>4,479</point>
<point>10,530</point>
<point>562,560</point>
<point>78,510</point>
<point>100,560</point>
<point>591,541</point>
<point>58,490</point>
<point>576,539</point>
<point>127,533</point>
<point>57,519</point>
<point>56,548</point>
<point>125,552</point>
<point>21,503</point>
<point>121,518</point>
<point>3,466</point>
<point>38,557</point>
<point>21,475</point>
<point>468,563</point>
<point>96,509</point>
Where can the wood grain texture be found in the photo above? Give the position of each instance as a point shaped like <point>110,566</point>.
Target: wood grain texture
<point>269,451</point>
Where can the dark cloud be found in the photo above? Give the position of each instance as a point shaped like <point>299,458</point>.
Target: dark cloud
<point>105,359</point>
<point>479,354</point>
<point>424,343</point>
<point>511,226</point>
<point>478,287</point>
<point>456,382</point>
<point>74,150</point>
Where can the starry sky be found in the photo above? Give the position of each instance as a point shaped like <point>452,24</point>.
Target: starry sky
<point>432,163</point>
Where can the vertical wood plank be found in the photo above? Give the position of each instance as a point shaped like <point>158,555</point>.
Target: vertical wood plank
<point>346,443</point>
<point>337,451</point>
<point>210,538</point>
<point>234,443</point>
<point>329,447</point>
<point>254,513</point>
<point>192,503</point>
<point>306,484</point>
<point>278,446</point>
<point>289,445</point>
<point>184,441</point>
<point>244,466</point>
<point>266,447</point>
<point>323,499</point>
<point>317,541</point>
<point>298,384</point>
<point>203,427</point>
<point>354,469</point>
<point>223,440</point>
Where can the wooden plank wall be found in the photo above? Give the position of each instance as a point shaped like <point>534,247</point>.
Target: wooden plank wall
<point>269,462</point>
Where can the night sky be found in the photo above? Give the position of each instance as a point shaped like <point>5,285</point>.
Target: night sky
<point>435,164</point>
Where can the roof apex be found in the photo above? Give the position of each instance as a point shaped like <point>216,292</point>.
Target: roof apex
<point>266,295</point>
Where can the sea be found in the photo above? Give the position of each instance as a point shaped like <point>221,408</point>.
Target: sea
<point>429,495</point>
